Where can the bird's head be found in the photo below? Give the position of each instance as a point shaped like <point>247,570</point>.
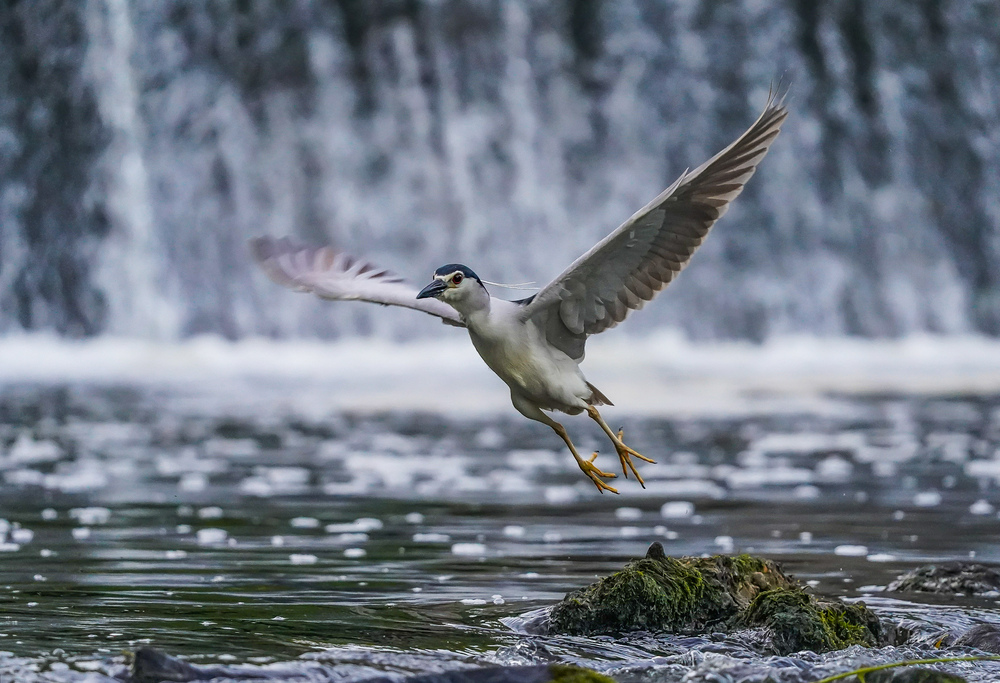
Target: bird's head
<point>453,284</point>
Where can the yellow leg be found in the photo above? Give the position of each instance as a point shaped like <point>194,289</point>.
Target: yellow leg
<point>624,452</point>
<point>588,466</point>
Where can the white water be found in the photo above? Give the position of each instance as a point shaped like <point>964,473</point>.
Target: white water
<point>656,374</point>
<point>511,139</point>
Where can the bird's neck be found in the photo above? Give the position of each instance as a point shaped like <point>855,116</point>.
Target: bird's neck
<point>473,307</point>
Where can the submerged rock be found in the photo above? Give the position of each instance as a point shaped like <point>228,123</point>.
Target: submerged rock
<point>152,666</point>
<point>909,675</point>
<point>722,593</point>
<point>949,578</point>
<point>552,673</point>
<point>149,665</point>
<point>984,637</point>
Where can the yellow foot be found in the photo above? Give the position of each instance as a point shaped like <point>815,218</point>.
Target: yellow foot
<point>595,474</point>
<point>625,456</point>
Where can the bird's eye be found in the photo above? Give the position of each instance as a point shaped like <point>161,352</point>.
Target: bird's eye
<point>456,279</point>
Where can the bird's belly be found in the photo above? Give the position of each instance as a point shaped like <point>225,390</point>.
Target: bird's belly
<point>535,374</point>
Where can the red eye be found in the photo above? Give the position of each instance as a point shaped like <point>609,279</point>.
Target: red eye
<point>456,279</point>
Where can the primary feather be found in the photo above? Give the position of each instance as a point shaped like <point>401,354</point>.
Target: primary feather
<point>628,267</point>
<point>332,274</point>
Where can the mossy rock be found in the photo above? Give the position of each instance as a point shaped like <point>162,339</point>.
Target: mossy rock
<point>565,673</point>
<point>798,621</point>
<point>691,595</point>
<point>660,593</point>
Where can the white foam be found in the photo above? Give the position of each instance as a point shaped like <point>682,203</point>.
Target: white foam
<point>725,543</point>
<point>26,450</point>
<point>982,507</point>
<point>851,550</point>
<point>882,557</point>
<point>211,536</point>
<point>561,495</point>
<point>468,549</point>
<point>431,538</point>
<point>677,509</point>
<point>927,499</point>
<point>22,536</point>
<point>192,482</point>
<point>669,373</point>
<point>361,525</point>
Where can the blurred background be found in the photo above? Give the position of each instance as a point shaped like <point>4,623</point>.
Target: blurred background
<point>194,457</point>
<point>142,144</point>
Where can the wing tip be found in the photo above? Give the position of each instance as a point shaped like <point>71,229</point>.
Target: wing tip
<point>267,252</point>
<point>777,94</point>
<point>261,248</point>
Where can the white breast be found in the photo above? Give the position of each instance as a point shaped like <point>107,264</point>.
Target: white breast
<point>518,353</point>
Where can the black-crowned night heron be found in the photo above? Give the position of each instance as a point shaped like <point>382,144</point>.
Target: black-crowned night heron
<point>536,345</point>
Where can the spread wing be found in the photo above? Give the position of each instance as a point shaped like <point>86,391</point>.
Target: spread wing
<point>628,267</point>
<point>332,274</point>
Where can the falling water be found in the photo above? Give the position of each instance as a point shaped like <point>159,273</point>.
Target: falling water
<point>142,144</point>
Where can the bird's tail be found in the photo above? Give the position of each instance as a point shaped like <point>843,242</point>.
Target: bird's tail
<point>597,398</point>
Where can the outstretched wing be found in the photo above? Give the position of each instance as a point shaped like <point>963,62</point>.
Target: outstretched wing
<point>628,267</point>
<point>332,274</point>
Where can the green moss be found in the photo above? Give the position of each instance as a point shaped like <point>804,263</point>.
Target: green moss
<point>662,593</point>
<point>798,621</point>
<point>564,673</point>
<point>721,593</point>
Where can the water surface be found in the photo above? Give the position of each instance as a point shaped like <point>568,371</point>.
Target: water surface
<point>338,546</point>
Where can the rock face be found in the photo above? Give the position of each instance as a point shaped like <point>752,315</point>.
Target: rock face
<point>721,593</point>
<point>966,578</point>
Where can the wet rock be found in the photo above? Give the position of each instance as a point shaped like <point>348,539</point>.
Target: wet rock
<point>719,593</point>
<point>152,666</point>
<point>949,578</point>
<point>984,637</point>
<point>660,593</point>
<point>798,621</point>
<point>149,665</point>
<point>552,673</point>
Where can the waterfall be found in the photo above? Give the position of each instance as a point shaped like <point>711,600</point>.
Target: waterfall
<point>142,144</point>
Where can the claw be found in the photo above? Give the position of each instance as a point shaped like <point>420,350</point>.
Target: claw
<point>595,473</point>
<point>625,456</point>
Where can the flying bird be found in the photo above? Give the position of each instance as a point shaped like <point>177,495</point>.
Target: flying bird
<point>535,345</point>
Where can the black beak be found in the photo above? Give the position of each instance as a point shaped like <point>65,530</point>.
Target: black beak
<point>433,289</point>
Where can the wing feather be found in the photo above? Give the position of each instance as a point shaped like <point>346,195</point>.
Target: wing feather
<point>628,267</point>
<point>336,275</point>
